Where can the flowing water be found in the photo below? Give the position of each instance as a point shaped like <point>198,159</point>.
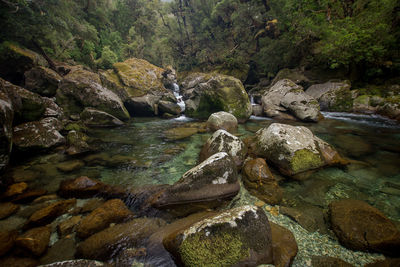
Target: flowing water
<point>141,153</point>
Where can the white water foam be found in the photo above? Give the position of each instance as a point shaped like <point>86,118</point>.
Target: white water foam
<point>370,120</point>
<point>181,103</point>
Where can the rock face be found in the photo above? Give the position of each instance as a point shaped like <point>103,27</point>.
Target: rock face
<point>82,88</point>
<point>294,149</point>
<point>109,242</point>
<point>287,97</point>
<point>237,237</point>
<point>222,141</point>
<point>213,179</point>
<point>260,182</point>
<point>360,226</point>
<point>95,118</point>
<point>112,211</point>
<point>332,96</point>
<point>35,240</point>
<point>38,134</point>
<point>222,120</point>
<point>42,80</point>
<point>205,94</point>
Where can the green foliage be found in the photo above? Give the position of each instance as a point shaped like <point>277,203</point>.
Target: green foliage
<point>108,58</point>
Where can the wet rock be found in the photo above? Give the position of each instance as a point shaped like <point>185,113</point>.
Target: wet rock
<point>89,205</point>
<point>325,261</point>
<point>42,80</point>
<point>35,240</point>
<point>257,110</point>
<point>222,120</point>
<point>130,257</point>
<point>19,262</point>
<point>287,97</point>
<point>29,195</point>
<point>38,134</point>
<point>294,149</point>
<point>143,105</point>
<point>23,174</point>
<point>7,241</point>
<point>78,263</point>
<point>112,211</point>
<point>260,182</point>
<point>360,226</point>
<point>33,106</point>
<point>14,190</point>
<point>81,88</point>
<point>52,109</point>
<point>284,246</point>
<point>333,96</point>
<point>213,92</point>
<point>7,209</point>
<point>77,143</point>
<point>212,180</point>
<point>95,118</point>
<point>309,217</point>
<point>168,107</point>
<point>66,227</point>
<point>354,146</point>
<point>362,104</point>
<point>70,166</point>
<point>222,141</point>
<point>63,250</point>
<point>49,213</point>
<point>391,108</point>
<point>180,133</point>
<point>109,242</point>
<point>240,236</point>
<point>385,263</point>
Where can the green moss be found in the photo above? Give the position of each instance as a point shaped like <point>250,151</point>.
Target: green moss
<point>78,127</point>
<point>304,160</point>
<point>362,99</point>
<point>393,99</point>
<point>218,249</point>
<point>343,102</point>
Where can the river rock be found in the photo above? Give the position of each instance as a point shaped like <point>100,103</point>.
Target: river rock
<point>77,143</point>
<point>35,240</point>
<point>333,96</point>
<point>19,262</point>
<point>41,134</point>
<point>391,108</point>
<point>294,149</point>
<point>169,107</point>
<point>143,105</point>
<point>287,97</point>
<point>14,190</point>
<point>82,88</point>
<point>205,94</point>
<point>77,263</point>
<point>7,241</point>
<point>112,211</point>
<point>49,213</point>
<point>33,106</point>
<point>389,262</point>
<point>52,109</point>
<point>222,120</point>
<point>29,195</point>
<point>284,245</point>
<point>42,80</point>
<point>107,243</point>
<point>236,237</point>
<point>169,77</point>
<point>70,166</point>
<point>66,227</point>
<point>360,226</point>
<point>7,209</point>
<point>64,249</point>
<point>95,118</point>
<point>222,141</point>
<point>325,261</point>
<point>180,133</point>
<point>212,180</point>
<point>257,110</point>
<point>259,181</point>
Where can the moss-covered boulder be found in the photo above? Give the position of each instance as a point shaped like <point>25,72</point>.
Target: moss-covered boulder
<point>33,106</point>
<point>82,88</point>
<point>205,94</point>
<point>286,97</point>
<point>222,120</point>
<point>391,107</point>
<point>294,149</point>
<point>168,107</point>
<point>236,237</point>
<point>202,187</point>
<point>222,141</point>
<point>77,143</point>
<point>95,118</point>
<point>42,80</point>
<point>15,60</point>
<point>333,96</point>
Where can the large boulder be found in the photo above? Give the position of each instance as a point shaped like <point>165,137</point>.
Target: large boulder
<point>33,106</point>
<point>360,226</point>
<point>42,80</point>
<point>294,149</point>
<point>222,141</point>
<point>332,96</point>
<point>212,180</point>
<point>41,134</point>
<point>82,88</point>
<point>95,118</point>
<point>259,181</point>
<point>205,94</point>
<point>286,97</point>
<point>236,237</point>
<point>222,120</point>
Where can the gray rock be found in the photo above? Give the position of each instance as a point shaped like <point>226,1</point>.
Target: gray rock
<point>42,80</point>
<point>95,118</point>
<point>143,105</point>
<point>168,107</point>
<point>222,120</point>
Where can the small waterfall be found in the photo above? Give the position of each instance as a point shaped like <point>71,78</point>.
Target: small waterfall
<point>252,100</point>
<point>181,103</point>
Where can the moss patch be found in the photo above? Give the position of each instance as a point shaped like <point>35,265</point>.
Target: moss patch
<point>217,249</point>
<point>304,160</point>
<point>343,102</point>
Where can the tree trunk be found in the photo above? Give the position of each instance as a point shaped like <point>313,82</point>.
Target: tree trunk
<point>41,51</point>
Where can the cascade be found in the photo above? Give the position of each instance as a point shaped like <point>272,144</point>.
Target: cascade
<point>252,100</point>
<point>181,103</point>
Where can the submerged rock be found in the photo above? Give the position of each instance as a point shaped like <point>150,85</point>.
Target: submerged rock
<point>77,143</point>
<point>325,261</point>
<point>209,93</point>
<point>7,241</point>
<point>287,97</point>
<point>77,263</point>
<point>259,181</point>
<point>35,240</point>
<point>42,80</point>
<point>70,166</point>
<point>284,245</point>
<point>236,237</point>
<point>14,261</point>
<point>294,149</point>
<point>222,141</point>
<point>95,118</point>
<point>7,209</point>
<point>360,226</point>
<point>222,120</point>
<point>180,133</point>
